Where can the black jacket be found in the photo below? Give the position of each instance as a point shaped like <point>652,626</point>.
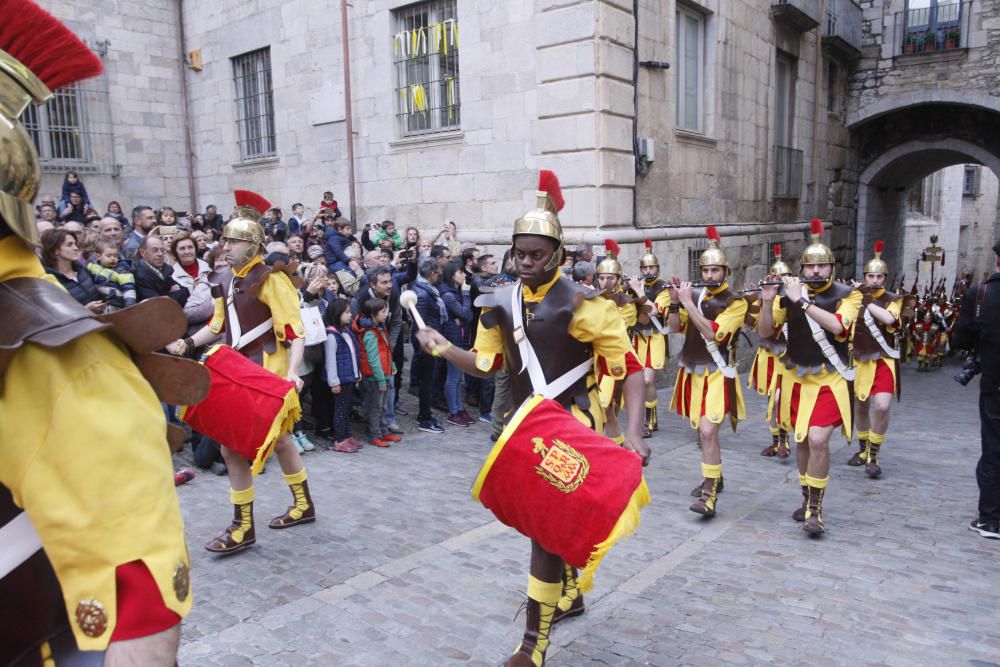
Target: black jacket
<point>83,288</point>
<point>982,335</point>
<point>149,283</point>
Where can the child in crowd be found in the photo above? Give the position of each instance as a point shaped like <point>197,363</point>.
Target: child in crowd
<point>116,288</point>
<point>377,368</point>
<point>342,372</point>
<point>72,183</point>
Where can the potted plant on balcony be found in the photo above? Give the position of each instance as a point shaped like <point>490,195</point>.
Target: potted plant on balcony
<point>951,39</point>
<point>930,42</point>
<point>910,43</point>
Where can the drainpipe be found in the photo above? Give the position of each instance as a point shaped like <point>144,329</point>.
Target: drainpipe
<point>814,169</point>
<point>348,113</point>
<point>185,102</point>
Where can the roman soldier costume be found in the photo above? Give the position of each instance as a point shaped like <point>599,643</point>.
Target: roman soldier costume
<point>252,405</point>
<point>813,386</point>
<point>92,547</point>
<point>770,347</point>
<point>624,301</point>
<point>649,334</point>
<point>707,384</point>
<point>926,335</point>
<point>549,474</point>
<point>876,357</point>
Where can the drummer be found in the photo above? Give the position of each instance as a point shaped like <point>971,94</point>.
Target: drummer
<point>552,306</point>
<point>258,309</point>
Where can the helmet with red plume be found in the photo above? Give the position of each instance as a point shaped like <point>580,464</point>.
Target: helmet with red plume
<point>610,263</point>
<point>779,268</point>
<point>713,255</point>
<point>246,226</point>
<point>543,220</point>
<point>649,259</point>
<point>877,264</point>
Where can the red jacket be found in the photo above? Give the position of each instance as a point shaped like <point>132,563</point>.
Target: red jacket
<point>363,325</point>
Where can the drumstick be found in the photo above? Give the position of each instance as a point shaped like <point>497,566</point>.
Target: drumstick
<point>408,300</point>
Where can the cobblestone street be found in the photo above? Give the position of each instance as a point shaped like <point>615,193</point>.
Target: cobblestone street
<point>403,568</point>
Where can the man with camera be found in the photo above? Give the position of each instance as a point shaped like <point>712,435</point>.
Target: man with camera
<point>978,330</point>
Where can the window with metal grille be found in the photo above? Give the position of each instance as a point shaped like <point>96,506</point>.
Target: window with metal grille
<point>58,127</point>
<point>254,104</point>
<point>694,252</point>
<point>425,55</point>
<point>972,187</point>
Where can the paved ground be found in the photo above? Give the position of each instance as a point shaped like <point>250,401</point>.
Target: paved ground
<point>404,569</point>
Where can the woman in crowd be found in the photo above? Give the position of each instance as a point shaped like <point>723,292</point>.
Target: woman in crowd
<point>62,258</point>
<point>200,242</point>
<point>412,238</point>
<point>316,292</point>
<point>457,300</point>
<point>192,273</point>
<point>296,247</point>
<point>115,211</point>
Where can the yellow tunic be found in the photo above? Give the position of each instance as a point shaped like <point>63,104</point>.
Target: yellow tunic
<point>595,321</point>
<point>811,384</point>
<point>758,378</point>
<point>606,389</point>
<point>710,385</point>
<point>83,450</point>
<point>864,372</point>
<point>651,349</point>
<point>279,294</point>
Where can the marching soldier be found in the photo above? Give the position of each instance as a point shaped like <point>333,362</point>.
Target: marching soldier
<point>707,387</point>
<point>649,334</point>
<point>94,568</point>
<point>925,336</point>
<point>876,354</point>
<point>258,309</point>
<point>769,350</point>
<point>813,393</point>
<point>556,398</point>
<point>610,282</point>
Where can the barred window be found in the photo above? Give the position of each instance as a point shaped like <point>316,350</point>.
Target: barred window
<point>425,54</point>
<point>694,254</point>
<point>57,128</point>
<point>254,104</point>
<point>972,185</point>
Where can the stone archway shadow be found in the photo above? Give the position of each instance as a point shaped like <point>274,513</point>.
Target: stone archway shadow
<point>895,103</point>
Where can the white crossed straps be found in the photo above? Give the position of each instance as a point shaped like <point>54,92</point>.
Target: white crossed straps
<point>240,339</point>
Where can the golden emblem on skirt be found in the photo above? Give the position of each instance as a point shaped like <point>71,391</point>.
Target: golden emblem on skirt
<point>90,617</point>
<point>182,581</point>
<point>562,466</point>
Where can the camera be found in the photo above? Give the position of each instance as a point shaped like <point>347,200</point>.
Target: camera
<point>970,369</point>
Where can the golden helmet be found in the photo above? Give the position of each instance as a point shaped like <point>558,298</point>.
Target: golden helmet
<point>649,259</point>
<point>38,54</point>
<point>877,264</point>
<point>779,268</point>
<point>610,263</point>
<point>713,255</point>
<point>816,252</point>
<point>246,226</point>
<point>543,220</point>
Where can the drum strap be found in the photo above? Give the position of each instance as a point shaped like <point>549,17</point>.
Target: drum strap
<point>240,339</point>
<point>877,335</point>
<point>819,335</point>
<point>713,349</point>
<point>530,361</point>
<point>20,543</point>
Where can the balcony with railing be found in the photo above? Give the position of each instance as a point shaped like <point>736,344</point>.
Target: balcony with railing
<point>801,15</point>
<point>787,173</point>
<point>939,27</point>
<point>842,29</point>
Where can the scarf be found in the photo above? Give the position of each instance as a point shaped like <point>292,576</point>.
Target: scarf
<point>433,291</point>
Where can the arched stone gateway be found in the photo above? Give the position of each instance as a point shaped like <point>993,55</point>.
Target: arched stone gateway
<point>898,148</point>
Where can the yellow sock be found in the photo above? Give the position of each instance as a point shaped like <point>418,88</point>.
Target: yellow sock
<point>863,435</point>
<point>241,497</point>
<point>817,482</point>
<point>775,430</point>
<point>803,479</point>
<point>619,440</point>
<point>294,482</point>
<point>711,471</point>
<point>876,438</point>
<point>570,590</point>
<point>547,595</point>
<point>650,404</point>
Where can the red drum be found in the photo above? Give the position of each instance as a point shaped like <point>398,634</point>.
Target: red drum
<point>567,487</point>
<point>247,407</point>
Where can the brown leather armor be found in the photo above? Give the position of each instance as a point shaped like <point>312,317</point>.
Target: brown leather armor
<point>866,348</point>
<point>651,291</point>
<point>547,327</point>
<point>803,353</point>
<point>249,309</point>
<point>694,355</point>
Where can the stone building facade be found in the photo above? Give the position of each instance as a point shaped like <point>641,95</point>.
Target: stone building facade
<point>747,129</point>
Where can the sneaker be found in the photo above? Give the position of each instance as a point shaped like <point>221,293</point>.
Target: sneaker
<point>379,442</point>
<point>298,445</point>
<point>219,468</point>
<point>394,427</point>
<point>429,426</point>
<point>467,417</point>
<point>400,411</point>
<point>345,446</point>
<point>306,443</point>
<point>486,419</point>
<point>988,529</point>
<point>457,419</point>
<point>391,437</point>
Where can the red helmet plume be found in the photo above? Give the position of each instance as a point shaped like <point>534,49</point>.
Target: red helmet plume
<point>816,226</point>
<point>549,182</point>
<point>612,247</point>
<point>713,234</point>
<point>253,200</point>
<point>879,246</point>
<point>648,243</point>
<point>777,250</point>
<point>40,42</point>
